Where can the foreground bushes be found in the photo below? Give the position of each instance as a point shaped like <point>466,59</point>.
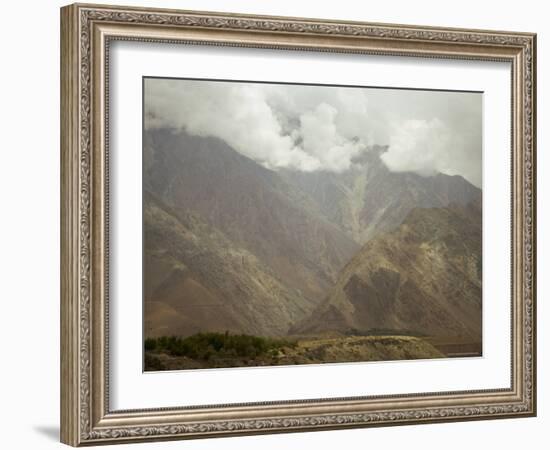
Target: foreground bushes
<point>205,346</point>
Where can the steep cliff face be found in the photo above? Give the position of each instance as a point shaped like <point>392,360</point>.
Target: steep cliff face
<point>255,207</point>
<point>424,277</point>
<point>198,280</point>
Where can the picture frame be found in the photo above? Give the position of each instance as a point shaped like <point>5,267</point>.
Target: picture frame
<point>87,34</point>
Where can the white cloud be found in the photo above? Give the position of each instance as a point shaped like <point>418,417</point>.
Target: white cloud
<point>322,128</point>
<point>236,113</point>
<point>322,140</point>
<point>420,146</point>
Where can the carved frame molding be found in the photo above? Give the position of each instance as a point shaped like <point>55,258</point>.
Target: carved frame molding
<point>86,31</point>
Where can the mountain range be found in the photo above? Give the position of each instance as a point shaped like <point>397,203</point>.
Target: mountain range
<point>198,280</point>
<point>369,198</point>
<point>232,245</point>
<point>423,277</point>
<point>254,207</point>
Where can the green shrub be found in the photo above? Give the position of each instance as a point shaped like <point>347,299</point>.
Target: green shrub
<point>210,345</point>
<point>150,344</point>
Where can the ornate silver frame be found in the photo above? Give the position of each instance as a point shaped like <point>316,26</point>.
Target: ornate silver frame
<point>86,31</point>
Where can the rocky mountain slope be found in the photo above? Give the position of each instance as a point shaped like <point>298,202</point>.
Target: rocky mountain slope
<point>369,198</point>
<point>198,280</point>
<point>423,277</point>
<point>255,207</point>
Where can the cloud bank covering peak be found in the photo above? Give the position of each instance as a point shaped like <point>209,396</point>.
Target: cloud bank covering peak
<point>313,128</point>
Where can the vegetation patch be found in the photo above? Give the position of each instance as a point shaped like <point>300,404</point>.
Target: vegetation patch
<point>207,346</point>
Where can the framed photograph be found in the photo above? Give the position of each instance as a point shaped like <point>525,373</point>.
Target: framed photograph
<point>278,224</point>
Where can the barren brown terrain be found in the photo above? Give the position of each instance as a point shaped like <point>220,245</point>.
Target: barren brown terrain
<point>314,267</point>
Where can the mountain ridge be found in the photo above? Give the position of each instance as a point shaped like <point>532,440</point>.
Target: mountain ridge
<point>369,198</point>
<point>254,206</point>
<point>423,277</point>
<point>285,252</point>
<point>198,280</point>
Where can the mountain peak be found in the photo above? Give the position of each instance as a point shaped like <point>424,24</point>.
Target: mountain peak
<point>370,199</point>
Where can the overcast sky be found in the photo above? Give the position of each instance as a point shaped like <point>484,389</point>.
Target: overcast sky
<point>313,128</point>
